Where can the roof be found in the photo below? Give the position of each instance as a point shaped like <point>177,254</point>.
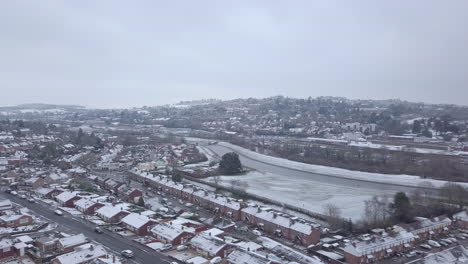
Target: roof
<point>243,257</point>
<point>109,210</point>
<point>82,254</point>
<point>65,196</point>
<point>425,223</point>
<point>169,232</point>
<point>282,219</point>
<point>72,240</point>
<point>135,220</point>
<point>463,215</point>
<point>361,248</point>
<point>12,217</point>
<point>5,204</point>
<point>208,244</point>
<point>84,203</point>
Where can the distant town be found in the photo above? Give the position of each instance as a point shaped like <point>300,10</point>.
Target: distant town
<point>247,181</point>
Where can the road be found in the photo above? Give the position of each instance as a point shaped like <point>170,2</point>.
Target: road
<point>314,178</point>
<point>110,240</point>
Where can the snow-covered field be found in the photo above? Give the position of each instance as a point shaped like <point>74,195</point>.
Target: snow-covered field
<point>306,193</point>
<point>406,180</point>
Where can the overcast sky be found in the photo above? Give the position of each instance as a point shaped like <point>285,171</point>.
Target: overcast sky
<point>134,53</point>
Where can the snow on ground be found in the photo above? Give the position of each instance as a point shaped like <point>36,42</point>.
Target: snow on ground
<point>406,180</point>
<point>208,153</point>
<point>306,193</point>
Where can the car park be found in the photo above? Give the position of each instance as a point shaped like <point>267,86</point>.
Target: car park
<point>127,253</point>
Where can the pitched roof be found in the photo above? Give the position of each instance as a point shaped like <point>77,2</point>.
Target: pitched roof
<point>136,220</point>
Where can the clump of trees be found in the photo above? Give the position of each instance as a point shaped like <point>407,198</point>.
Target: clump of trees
<point>230,164</point>
<point>425,201</point>
<point>84,139</point>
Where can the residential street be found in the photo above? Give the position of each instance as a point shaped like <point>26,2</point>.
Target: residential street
<point>112,241</point>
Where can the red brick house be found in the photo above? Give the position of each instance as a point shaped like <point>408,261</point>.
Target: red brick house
<point>282,225</point>
<point>139,224</point>
<point>131,195</point>
<point>378,247</point>
<point>427,228</point>
<point>15,220</point>
<point>68,244</point>
<point>66,199</point>
<point>87,207</point>
<point>111,213</point>
<point>210,246</point>
<point>48,193</point>
<point>6,248</point>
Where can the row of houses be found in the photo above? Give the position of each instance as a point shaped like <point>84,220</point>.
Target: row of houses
<point>402,238</point>
<point>267,219</point>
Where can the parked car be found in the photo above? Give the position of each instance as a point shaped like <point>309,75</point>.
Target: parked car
<point>166,247</point>
<point>460,236</point>
<point>256,232</point>
<point>433,243</point>
<point>216,260</point>
<point>14,193</point>
<point>425,246</point>
<point>127,253</point>
<point>31,200</point>
<point>454,240</point>
<point>181,247</point>
<point>446,240</point>
<point>23,196</point>
<point>188,204</point>
<point>58,212</point>
<point>98,230</point>
<point>443,243</point>
<point>411,254</point>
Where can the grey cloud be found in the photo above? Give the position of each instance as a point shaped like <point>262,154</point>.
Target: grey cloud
<point>121,53</point>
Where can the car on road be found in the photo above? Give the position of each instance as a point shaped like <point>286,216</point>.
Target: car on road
<point>58,212</point>
<point>98,230</point>
<point>14,193</point>
<point>127,253</point>
<point>23,196</point>
<point>31,200</point>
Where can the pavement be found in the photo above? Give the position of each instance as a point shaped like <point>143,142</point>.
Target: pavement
<point>111,241</point>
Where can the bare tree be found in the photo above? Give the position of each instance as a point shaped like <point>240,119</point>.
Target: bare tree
<point>333,215</point>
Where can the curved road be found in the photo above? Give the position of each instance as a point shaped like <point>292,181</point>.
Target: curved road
<point>314,178</point>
